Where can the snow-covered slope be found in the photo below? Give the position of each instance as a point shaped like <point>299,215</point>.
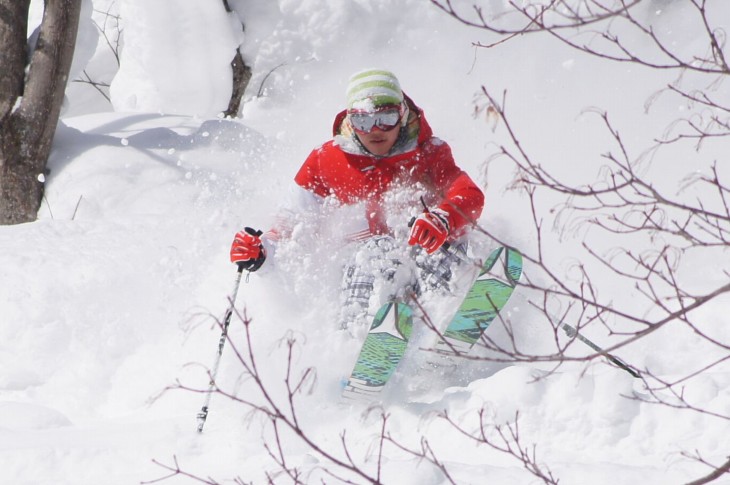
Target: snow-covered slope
<point>112,295</point>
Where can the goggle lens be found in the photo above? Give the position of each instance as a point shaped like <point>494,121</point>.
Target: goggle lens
<point>386,120</point>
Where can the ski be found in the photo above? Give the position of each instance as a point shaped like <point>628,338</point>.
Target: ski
<point>390,331</point>
<point>488,295</point>
<point>381,352</point>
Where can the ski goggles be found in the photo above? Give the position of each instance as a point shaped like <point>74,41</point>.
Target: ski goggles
<point>385,118</point>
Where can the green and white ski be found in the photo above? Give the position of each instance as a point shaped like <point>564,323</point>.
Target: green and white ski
<point>390,331</point>
<point>381,353</point>
<point>488,295</point>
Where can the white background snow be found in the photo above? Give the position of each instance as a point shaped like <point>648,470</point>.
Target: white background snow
<point>112,295</point>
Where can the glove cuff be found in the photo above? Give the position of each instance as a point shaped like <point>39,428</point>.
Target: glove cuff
<point>444,217</point>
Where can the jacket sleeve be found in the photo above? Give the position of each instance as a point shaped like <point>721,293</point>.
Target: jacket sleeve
<point>296,203</point>
<point>308,175</point>
<point>460,196</point>
<point>306,197</point>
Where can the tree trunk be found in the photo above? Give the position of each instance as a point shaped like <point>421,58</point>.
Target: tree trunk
<point>30,104</point>
<point>241,77</point>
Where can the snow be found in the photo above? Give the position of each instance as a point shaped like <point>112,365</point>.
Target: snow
<point>182,71</point>
<point>112,295</point>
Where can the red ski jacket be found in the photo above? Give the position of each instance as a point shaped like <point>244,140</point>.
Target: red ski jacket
<point>353,175</point>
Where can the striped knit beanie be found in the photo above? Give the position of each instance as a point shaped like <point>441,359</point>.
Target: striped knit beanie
<point>370,89</point>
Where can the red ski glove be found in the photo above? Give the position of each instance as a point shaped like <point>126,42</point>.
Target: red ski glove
<point>247,251</point>
<point>430,230</point>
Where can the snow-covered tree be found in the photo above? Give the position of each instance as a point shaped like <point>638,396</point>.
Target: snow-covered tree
<point>32,85</point>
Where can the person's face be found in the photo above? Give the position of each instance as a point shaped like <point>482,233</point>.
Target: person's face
<point>377,131</point>
<point>379,142</point>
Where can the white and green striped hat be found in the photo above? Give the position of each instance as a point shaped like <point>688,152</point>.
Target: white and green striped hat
<point>370,89</point>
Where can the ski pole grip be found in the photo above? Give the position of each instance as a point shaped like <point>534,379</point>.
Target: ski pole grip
<point>253,232</point>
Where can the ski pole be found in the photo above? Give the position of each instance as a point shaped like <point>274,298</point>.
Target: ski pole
<point>203,414</point>
<point>572,332</point>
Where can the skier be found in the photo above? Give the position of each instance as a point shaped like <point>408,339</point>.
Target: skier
<point>412,204</point>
